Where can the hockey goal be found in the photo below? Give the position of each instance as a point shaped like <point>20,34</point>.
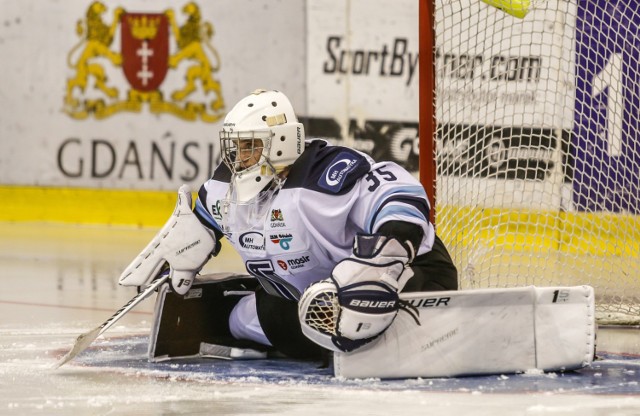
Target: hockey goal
<point>530,143</point>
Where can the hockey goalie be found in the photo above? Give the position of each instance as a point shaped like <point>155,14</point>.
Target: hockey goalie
<point>341,258</point>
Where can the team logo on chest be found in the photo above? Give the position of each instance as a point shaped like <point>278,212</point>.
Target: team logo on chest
<point>277,219</point>
<point>282,239</point>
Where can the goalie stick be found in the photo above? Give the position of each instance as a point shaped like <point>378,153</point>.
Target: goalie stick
<point>84,340</point>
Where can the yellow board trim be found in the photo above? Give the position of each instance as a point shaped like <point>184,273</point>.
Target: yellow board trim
<point>533,231</point>
<point>86,206</point>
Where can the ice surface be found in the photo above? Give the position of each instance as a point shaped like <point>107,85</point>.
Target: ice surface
<point>59,282</point>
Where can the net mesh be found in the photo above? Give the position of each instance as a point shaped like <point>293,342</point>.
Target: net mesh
<point>537,151</point>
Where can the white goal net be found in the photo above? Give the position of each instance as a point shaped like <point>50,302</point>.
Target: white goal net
<point>538,149</point>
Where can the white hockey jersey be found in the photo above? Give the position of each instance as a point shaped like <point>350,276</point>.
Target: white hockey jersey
<point>330,194</point>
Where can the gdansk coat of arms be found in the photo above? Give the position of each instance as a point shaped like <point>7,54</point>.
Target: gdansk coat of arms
<point>145,59</point>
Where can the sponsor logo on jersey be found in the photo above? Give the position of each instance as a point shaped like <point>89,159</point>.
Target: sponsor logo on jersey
<point>277,219</point>
<point>334,176</point>
<point>298,262</point>
<point>145,58</point>
<point>215,211</point>
<point>282,239</point>
<point>251,240</point>
<point>283,265</point>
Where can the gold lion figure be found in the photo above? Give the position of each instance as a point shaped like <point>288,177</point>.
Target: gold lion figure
<point>190,38</point>
<point>96,38</point>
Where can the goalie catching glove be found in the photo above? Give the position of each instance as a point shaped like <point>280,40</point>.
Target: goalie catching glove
<point>360,300</point>
<point>184,243</point>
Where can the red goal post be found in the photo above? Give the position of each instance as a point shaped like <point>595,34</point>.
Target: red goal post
<point>426,101</point>
<point>530,143</point>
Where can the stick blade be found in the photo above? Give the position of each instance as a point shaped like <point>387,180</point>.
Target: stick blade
<point>82,343</point>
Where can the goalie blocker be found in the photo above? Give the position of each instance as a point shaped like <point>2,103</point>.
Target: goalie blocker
<point>469,332</point>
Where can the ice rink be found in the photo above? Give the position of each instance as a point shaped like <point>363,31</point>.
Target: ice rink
<point>60,281</point>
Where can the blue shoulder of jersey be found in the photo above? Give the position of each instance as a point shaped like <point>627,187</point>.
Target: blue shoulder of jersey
<point>327,169</point>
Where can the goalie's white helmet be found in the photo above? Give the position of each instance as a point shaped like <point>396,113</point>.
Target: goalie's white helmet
<point>260,137</point>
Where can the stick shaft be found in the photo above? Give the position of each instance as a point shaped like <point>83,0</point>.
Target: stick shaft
<point>132,303</point>
<point>84,340</point>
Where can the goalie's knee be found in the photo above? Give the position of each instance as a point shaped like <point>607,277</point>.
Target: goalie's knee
<point>244,322</point>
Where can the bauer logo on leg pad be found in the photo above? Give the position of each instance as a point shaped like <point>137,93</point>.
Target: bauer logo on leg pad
<point>430,302</point>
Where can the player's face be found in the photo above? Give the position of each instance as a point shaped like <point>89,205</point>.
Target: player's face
<point>249,152</point>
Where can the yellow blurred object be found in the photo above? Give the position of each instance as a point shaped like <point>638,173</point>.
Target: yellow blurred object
<point>517,8</point>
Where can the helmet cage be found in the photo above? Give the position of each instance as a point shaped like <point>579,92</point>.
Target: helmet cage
<point>240,147</point>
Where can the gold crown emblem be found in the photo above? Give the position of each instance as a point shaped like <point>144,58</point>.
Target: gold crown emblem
<point>142,36</point>
<point>144,27</point>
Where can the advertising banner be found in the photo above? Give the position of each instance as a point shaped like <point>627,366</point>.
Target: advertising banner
<point>131,94</point>
<point>607,161</point>
<point>497,70</point>
<point>362,76</point>
<point>504,101</point>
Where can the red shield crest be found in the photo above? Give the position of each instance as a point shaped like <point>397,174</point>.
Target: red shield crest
<point>145,49</point>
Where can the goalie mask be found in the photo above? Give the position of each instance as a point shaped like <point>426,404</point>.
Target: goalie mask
<point>260,137</point>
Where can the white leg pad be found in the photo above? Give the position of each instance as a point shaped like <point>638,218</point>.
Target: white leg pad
<point>482,331</point>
